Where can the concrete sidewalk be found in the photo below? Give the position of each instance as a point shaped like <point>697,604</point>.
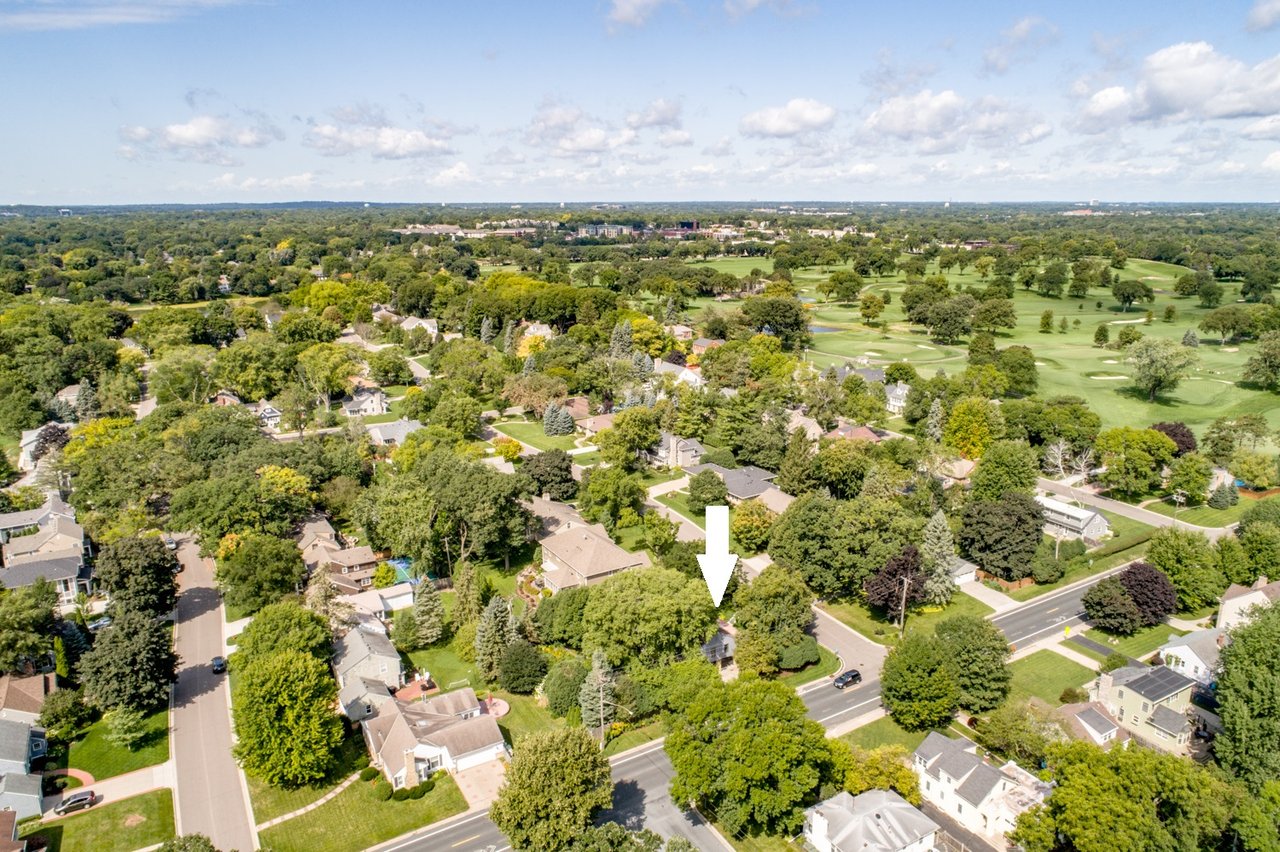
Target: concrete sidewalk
<point>998,601</point>
<point>120,787</point>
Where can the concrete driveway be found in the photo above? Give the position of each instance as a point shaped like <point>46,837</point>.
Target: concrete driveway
<point>480,784</point>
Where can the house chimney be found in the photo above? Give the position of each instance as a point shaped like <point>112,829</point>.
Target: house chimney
<point>1261,581</point>
<point>410,769</point>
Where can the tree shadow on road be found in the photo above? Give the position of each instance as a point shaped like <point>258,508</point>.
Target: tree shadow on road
<point>628,806</point>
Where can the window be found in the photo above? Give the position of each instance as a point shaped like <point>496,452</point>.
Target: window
<point>1145,707</point>
<point>1120,694</point>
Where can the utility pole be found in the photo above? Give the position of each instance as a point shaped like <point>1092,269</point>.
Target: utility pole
<point>902,611</point>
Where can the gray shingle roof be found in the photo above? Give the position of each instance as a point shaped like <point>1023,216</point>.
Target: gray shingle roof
<point>874,821</point>
<point>18,784</point>
<point>1096,721</point>
<point>54,569</point>
<point>741,482</point>
<point>981,781</point>
<point>15,740</point>
<point>1205,644</point>
<point>1168,720</point>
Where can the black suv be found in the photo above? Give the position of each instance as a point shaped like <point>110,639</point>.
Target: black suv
<point>849,678</point>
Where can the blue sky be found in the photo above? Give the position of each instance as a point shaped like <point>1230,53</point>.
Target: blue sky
<point>126,101</point>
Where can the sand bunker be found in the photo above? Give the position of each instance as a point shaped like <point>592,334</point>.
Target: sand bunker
<point>1111,361</point>
<point>922,346</point>
<point>1108,378</point>
<point>1127,322</point>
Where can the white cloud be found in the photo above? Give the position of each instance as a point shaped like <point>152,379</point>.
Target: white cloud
<point>385,143</point>
<point>566,131</point>
<point>675,138</point>
<point>633,13</point>
<point>203,138</point>
<point>458,173</point>
<point>942,122</point>
<point>1263,128</point>
<point>85,14</point>
<point>799,115</point>
<point>1264,15</point>
<point>1272,162</point>
<point>890,77</point>
<point>1106,109</point>
<point>723,148</point>
<point>228,180</point>
<point>659,113</point>
<point>1018,44</point>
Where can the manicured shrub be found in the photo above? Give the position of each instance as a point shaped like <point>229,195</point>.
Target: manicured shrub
<point>1115,660</point>
<point>522,668</point>
<point>799,655</point>
<point>400,795</point>
<point>382,790</point>
<point>1073,695</point>
<point>369,773</point>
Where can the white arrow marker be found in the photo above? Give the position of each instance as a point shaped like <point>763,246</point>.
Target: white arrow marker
<point>717,563</point>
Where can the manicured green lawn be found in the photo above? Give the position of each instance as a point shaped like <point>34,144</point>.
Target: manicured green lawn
<point>96,755</point>
<point>875,627</point>
<point>1141,644</point>
<point>1044,675</point>
<point>586,459</point>
<point>650,476</point>
<point>122,826</point>
<point>355,819</point>
<point>636,737</point>
<point>525,718</point>
<point>826,666</point>
<point>532,434</point>
<point>1076,573</point>
<point>1203,516</point>
<point>1122,526</point>
<point>758,843</point>
<point>679,501</point>
<point>884,731</point>
<point>270,802</point>
<point>447,668</point>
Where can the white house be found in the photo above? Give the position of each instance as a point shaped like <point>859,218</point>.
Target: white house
<point>682,374</point>
<point>1195,655</point>
<point>268,415</point>
<point>983,798</point>
<point>538,329</point>
<point>392,434</point>
<point>410,740</point>
<point>674,451</point>
<point>430,325</point>
<point>1237,601</point>
<point>365,403</point>
<point>27,445</point>
<point>895,397</point>
<point>874,821</point>
<point>1092,721</point>
<point>1062,520</point>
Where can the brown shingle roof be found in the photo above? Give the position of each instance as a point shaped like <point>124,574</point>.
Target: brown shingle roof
<point>589,551</point>
<point>26,694</point>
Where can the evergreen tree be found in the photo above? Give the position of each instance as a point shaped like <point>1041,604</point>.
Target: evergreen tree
<point>595,698</point>
<point>509,338</point>
<point>551,419</point>
<point>467,586</point>
<point>494,634</point>
<point>567,425</point>
<point>620,340</point>
<point>1191,339</point>
<point>1102,336</point>
<point>796,474</point>
<point>486,331</point>
<point>530,365</point>
<point>428,612</point>
<point>86,401</point>
<point>938,553</point>
<point>1224,496</point>
<point>933,426</point>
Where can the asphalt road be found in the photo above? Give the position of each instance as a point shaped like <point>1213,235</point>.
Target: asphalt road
<point>640,800</point>
<point>210,798</point>
<point>1046,614</point>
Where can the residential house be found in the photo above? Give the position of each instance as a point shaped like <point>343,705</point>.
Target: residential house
<point>363,697</point>
<point>9,841</point>
<point>317,540</point>
<point>377,605</point>
<point>583,555</point>
<point>702,344</point>
<point>592,426</point>
<point>70,395</point>
<point>742,483</point>
<point>674,451</point>
<point>850,432</point>
<point>22,698</point>
<point>719,649</point>
<point>1062,520</point>
<point>690,376</point>
<point>984,799</point>
<point>1195,655</point>
<point>384,314</point>
<point>775,499</point>
<point>392,434</point>
<point>351,568</point>
<point>268,415</point>
<point>409,741</point>
<point>963,571</point>
<point>367,654</point>
<point>895,397</point>
<point>1092,722</point>
<point>20,743</point>
<point>538,329</point>
<point>225,398</point>
<point>874,821</point>
<point>1237,601</point>
<point>46,543</point>
<point>431,326</point>
<point>579,407</point>
<point>811,428</point>
<point>1151,703</point>
<point>679,331</point>
<point>956,472</point>
<point>27,442</point>
<point>365,403</point>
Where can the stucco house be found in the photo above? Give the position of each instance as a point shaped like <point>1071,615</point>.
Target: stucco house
<point>583,555</point>
<point>983,798</point>
<point>1237,601</point>
<point>874,821</point>
<point>1062,520</point>
<point>674,451</point>
<point>367,654</point>
<point>1195,655</point>
<point>1151,703</point>
<point>592,426</point>
<point>811,428</point>
<point>410,740</point>
<point>365,403</point>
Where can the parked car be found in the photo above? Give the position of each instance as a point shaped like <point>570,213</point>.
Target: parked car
<point>849,678</point>
<point>219,665</point>
<point>75,802</point>
<point>99,623</point>
<point>170,543</point>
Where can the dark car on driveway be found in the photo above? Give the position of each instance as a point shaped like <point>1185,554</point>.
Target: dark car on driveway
<point>850,678</point>
<point>75,802</point>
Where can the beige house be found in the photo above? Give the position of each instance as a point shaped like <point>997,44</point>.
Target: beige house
<point>367,654</point>
<point>1153,704</point>
<point>583,555</point>
<point>1237,600</point>
<point>592,426</point>
<point>409,741</point>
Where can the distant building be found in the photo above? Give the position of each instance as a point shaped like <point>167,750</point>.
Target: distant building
<point>811,428</point>
<point>592,426</point>
<point>775,499</point>
<point>679,331</point>
<point>874,821</point>
<point>226,398</point>
<point>268,415</point>
<point>1062,520</point>
<point>896,397</point>
<point>983,798</point>
<point>702,344</point>
<point>392,434</point>
<point>719,649</point>
<point>674,451</point>
<point>27,443</point>
<point>365,403</point>
<point>431,326</point>
<point>684,375</point>
<point>46,543</point>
